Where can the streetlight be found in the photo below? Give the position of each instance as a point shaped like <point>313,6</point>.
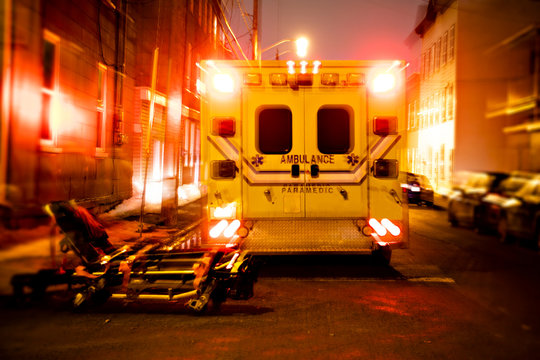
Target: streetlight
<point>300,43</point>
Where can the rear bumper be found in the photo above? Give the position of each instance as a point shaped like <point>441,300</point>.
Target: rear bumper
<point>332,236</point>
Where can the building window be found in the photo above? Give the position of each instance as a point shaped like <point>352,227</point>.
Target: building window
<point>437,55</point>
<point>428,63</point>
<point>436,110</point>
<point>450,102</point>
<point>188,67</point>
<point>157,160</point>
<point>101,106</point>
<point>443,105</point>
<point>214,31</point>
<point>192,144</point>
<point>187,127</point>
<point>410,117</point>
<point>198,72</point>
<point>423,66</point>
<point>49,90</point>
<point>444,46</point>
<point>430,111</point>
<point>415,114</point>
<point>204,9</point>
<point>451,42</point>
<point>432,59</point>
<point>421,123</point>
<point>209,17</point>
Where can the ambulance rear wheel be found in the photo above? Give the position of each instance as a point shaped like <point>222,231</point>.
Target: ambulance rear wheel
<point>383,255</point>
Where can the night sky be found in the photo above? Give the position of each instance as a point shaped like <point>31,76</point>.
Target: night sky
<point>337,29</point>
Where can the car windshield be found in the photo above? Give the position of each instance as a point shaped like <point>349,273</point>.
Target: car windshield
<point>424,181</point>
<point>511,185</point>
<point>479,181</point>
<point>532,187</point>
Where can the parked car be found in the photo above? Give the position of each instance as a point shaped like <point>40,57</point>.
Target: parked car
<point>417,187</point>
<point>465,200</point>
<point>490,208</point>
<point>520,214</point>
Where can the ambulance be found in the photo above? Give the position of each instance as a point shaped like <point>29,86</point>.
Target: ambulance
<point>303,157</point>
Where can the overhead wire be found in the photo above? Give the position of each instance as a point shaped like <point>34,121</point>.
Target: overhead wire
<point>241,6</point>
<point>232,32</point>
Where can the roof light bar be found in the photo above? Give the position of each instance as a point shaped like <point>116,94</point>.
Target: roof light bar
<point>278,79</point>
<point>356,79</point>
<point>329,79</point>
<point>252,79</point>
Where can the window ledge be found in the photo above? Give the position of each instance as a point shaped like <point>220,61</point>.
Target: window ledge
<point>46,146</point>
<point>100,153</point>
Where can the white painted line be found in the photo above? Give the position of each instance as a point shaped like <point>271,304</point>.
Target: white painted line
<point>433,279</point>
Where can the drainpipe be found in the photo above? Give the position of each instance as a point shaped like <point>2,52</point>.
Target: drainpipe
<point>7,92</point>
<point>536,76</point>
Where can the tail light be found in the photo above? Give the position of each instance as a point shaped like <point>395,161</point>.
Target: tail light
<point>231,228</point>
<point>225,229</point>
<point>218,229</point>
<point>391,227</point>
<point>385,168</point>
<point>377,227</point>
<point>224,126</point>
<point>385,125</point>
<point>223,169</point>
<point>384,226</point>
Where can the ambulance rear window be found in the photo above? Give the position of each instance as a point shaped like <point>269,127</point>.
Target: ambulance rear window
<point>275,131</point>
<point>334,130</point>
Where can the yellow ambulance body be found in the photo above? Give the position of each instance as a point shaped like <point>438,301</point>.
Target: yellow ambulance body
<point>304,156</point>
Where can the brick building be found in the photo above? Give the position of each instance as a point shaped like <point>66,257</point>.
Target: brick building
<point>78,87</point>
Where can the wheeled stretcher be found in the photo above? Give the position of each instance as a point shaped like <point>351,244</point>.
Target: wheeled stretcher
<point>152,269</point>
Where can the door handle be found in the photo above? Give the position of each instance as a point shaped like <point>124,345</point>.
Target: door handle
<point>268,195</point>
<point>343,193</point>
<point>295,170</point>
<point>394,194</point>
<point>314,171</point>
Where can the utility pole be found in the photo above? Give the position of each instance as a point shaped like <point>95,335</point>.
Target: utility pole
<point>255,31</point>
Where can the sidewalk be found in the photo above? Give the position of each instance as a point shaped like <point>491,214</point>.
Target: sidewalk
<point>29,250</point>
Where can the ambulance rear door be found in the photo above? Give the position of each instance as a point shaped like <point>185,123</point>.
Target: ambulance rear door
<point>335,143</point>
<point>273,133</point>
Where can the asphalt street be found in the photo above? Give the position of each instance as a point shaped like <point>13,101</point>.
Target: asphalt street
<point>454,294</point>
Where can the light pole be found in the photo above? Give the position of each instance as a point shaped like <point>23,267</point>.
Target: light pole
<point>301,44</point>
